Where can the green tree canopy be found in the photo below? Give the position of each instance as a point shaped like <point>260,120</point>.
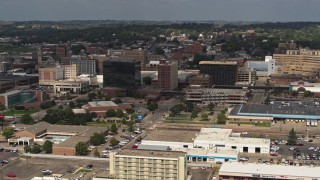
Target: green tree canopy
<point>111,113</point>
<point>147,80</point>
<point>81,149</point>
<point>8,132</point>
<point>92,96</point>
<point>47,146</point>
<point>97,139</point>
<point>113,141</point>
<point>114,128</point>
<point>292,138</point>
<point>26,119</point>
<point>211,106</point>
<point>119,113</point>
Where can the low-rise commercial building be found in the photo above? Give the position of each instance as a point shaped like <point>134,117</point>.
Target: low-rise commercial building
<point>209,95</point>
<point>207,138</point>
<point>248,171</point>
<point>301,87</point>
<point>64,137</point>
<point>74,86</point>
<point>276,111</point>
<point>100,107</point>
<point>145,165</point>
<point>284,79</point>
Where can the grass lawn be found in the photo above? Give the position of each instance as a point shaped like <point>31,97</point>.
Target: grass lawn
<point>108,124</point>
<point>189,122</point>
<point>19,112</point>
<point>180,117</point>
<point>84,170</point>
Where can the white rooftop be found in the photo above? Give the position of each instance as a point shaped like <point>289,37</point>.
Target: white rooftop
<point>249,169</point>
<point>78,111</point>
<point>208,152</point>
<point>102,103</point>
<point>225,136</point>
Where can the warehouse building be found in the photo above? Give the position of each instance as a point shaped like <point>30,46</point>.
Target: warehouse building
<point>207,138</point>
<point>306,112</point>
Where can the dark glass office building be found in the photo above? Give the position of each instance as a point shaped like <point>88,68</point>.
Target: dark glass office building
<point>222,72</point>
<point>122,73</point>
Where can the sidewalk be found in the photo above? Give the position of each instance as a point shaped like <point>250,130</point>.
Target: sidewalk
<point>64,157</point>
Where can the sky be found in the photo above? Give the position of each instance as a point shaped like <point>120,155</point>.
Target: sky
<point>229,10</point>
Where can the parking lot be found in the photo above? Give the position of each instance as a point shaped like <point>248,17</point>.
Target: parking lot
<point>27,168</point>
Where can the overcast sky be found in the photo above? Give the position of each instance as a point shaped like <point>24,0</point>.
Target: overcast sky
<point>232,10</point>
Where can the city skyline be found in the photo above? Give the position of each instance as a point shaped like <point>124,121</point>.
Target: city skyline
<point>171,10</point>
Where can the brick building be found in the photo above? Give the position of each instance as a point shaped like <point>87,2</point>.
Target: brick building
<point>167,75</point>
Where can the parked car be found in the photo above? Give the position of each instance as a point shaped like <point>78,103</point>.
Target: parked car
<point>89,166</point>
<point>11,175</point>
<point>46,172</point>
<point>5,161</point>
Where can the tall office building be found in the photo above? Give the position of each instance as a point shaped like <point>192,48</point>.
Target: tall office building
<point>147,164</point>
<point>222,72</point>
<point>122,73</point>
<point>71,71</point>
<point>47,76</point>
<point>301,61</point>
<point>167,75</point>
<point>138,54</point>
<point>85,66</point>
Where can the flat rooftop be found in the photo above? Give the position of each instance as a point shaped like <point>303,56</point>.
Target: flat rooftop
<point>151,153</point>
<point>247,169</point>
<point>218,62</point>
<point>304,110</point>
<point>208,152</point>
<point>219,91</point>
<point>171,135</point>
<point>225,136</point>
<point>102,103</point>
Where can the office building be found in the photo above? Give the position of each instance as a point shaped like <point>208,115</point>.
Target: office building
<point>47,76</point>
<point>246,77</point>
<point>71,71</point>
<point>86,66</point>
<point>74,86</point>
<point>264,68</point>
<point>201,80</point>
<point>122,73</point>
<point>301,61</point>
<point>148,164</point>
<point>167,75</point>
<point>208,95</point>
<point>223,73</point>
<point>247,171</point>
<point>138,54</point>
<point>12,98</point>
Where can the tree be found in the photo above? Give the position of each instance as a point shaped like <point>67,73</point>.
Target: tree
<point>47,146</point>
<point>294,93</point>
<point>97,139</point>
<point>100,95</point>
<point>222,118</point>
<point>292,138</point>
<point>210,106</point>
<point>8,132</point>
<point>113,141</point>
<point>204,116</point>
<point>119,113</point>
<point>96,153</point>
<point>27,149</point>
<point>81,149</point>
<point>118,101</point>
<point>111,113</point>
<point>35,149</point>
<point>91,96</point>
<point>2,107</point>
<point>114,128</point>
<point>147,80</point>
<point>71,104</point>
<point>131,126</point>
<point>308,94</point>
<point>26,119</point>
<point>152,106</point>
<point>195,112</point>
